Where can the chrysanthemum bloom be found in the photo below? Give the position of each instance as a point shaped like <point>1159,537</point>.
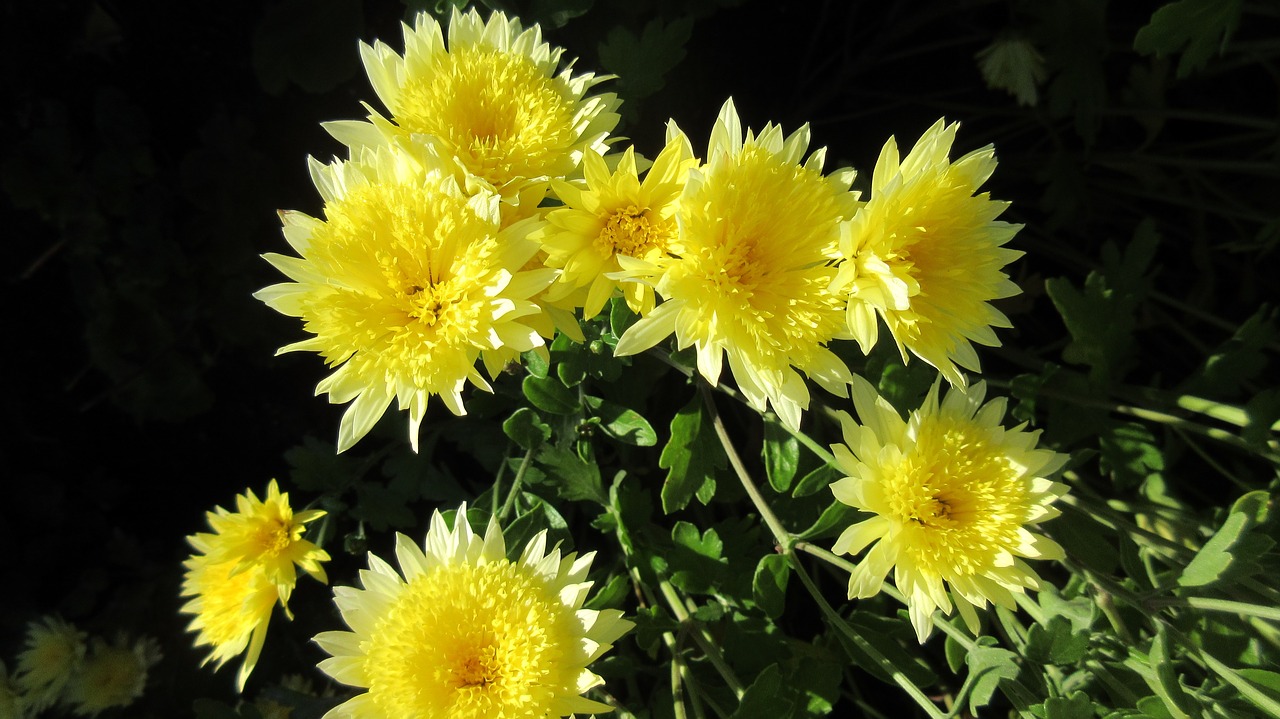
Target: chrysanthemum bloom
<point>758,232</point>
<point>405,284</point>
<point>462,632</point>
<point>953,493</point>
<point>925,253</point>
<point>615,214</point>
<point>54,652</point>
<point>12,703</point>
<point>242,569</point>
<point>113,675</point>
<point>266,534</point>
<point>491,98</point>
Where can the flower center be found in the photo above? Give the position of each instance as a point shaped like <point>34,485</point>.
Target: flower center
<point>631,231</point>
<point>470,642</point>
<point>958,497</point>
<point>495,110</point>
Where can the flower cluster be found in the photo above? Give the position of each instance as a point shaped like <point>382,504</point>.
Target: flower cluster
<point>63,667</point>
<point>437,251</point>
<point>247,564</point>
<point>488,209</point>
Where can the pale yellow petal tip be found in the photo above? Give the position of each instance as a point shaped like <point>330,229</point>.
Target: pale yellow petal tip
<point>458,602</point>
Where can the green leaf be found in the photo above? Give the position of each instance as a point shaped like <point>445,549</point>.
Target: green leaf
<point>1165,680</point>
<point>1196,28</point>
<point>574,479</point>
<point>769,584</point>
<point>1237,361</point>
<point>1056,643</point>
<point>526,429</point>
<point>696,561</point>
<point>1215,556</point>
<point>316,466</point>
<point>1102,318</point>
<point>611,595</point>
<point>641,61</point>
<point>987,667</point>
<point>816,481</point>
<point>570,360</point>
<point>1129,454</point>
<point>833,520</point>
<point>550,395</point>
<point>1074,706</point>
<point>557,13</point>
<point>765,697</point>
<point>781,452</point>
<point>382,507</point>
<point>536,363</point>
<point>691,457</point>
<point>622,424</point>
<point>1268,682</point>
<point>620,318</point>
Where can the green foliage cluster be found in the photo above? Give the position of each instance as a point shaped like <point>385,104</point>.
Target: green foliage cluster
<point>1146,347</point>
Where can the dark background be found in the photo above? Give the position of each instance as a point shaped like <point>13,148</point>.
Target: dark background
<point>147,147</point>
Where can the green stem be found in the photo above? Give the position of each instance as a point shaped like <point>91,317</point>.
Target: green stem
<point>1218,605</point>
<point>703,638</point>
<point>510,502</point>
<point>843,627</point>
<point>780,533</point>
<point>822,452</point>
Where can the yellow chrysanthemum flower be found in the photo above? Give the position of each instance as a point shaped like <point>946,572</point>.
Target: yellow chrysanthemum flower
<point>462,632</point>
<point>491,98</point>
<point>405,284</point>
<point>13,705</point>
<point>615,214</point>
<point>953,493</point>
<point>925,253</point>
<point>758,233</point>
<point>113,675</point>
<point>242,569</point>
<point>55,650</point>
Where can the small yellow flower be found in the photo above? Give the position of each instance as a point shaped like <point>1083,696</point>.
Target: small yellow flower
<point>491,98</point>
<point>952,493</point>
<point>925,254</point>
<point>759,226</point>
<point>615,214</point>
<point>462,632</point>
<point>13,704</point>
<point>405,284</point>
<point>113,675</point>
<point>242,569</point>
<point>55,651</point>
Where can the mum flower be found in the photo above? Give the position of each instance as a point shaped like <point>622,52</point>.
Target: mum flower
<point>404,285</point>
<point>491,98</point>
<point>952,493</point>
<point>113,675</point>
<point>615,214</point>
<point>925,253</point>
<point>12,703</point>
<point>751,269</point>
<point>54,651</point>
<point>242,569</point>
<point>460,631</point>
